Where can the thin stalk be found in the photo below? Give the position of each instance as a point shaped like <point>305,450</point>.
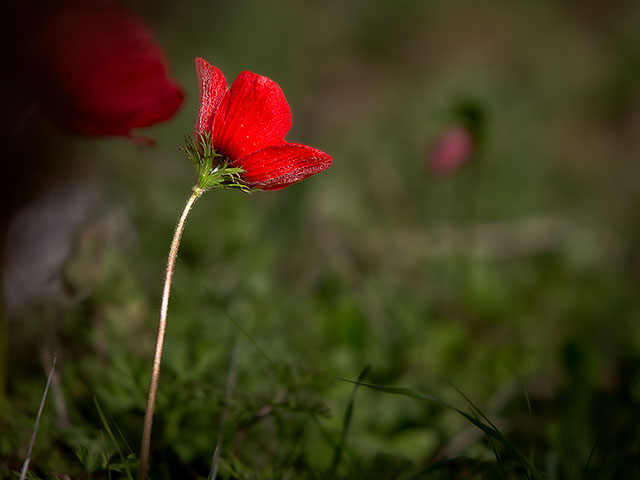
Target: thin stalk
<point>162,325</point>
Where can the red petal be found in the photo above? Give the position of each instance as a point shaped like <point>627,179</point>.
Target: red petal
<point>99,69</point>
<point>278,166</point>
<point>213,86</point>
<point>253,115</point>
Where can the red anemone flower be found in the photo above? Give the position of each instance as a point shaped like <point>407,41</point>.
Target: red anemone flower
<point>99,69</point>
<point>247,124</point>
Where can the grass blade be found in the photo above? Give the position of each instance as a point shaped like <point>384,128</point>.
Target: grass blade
<point>345,426</point>
<point>228,391</point>
<point>489,430</point>
<point>532,452</point>
<point>254,343</point>
<point>32,442</point>
<point>103,419</point>
<point>106,454</point>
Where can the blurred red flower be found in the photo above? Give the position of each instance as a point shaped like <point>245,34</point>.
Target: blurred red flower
<point>451,151</point>
<point>247,124</point>
<point>97,69</point>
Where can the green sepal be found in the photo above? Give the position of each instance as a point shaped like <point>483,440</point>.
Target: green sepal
<point>212,170</point>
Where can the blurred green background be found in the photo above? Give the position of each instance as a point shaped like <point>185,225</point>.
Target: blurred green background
<point>516,279</point>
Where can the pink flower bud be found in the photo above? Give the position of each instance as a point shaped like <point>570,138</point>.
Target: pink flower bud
<point>451,151</point>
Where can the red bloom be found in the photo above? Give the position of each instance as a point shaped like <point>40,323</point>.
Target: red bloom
<point>247,124</point>
<point>99,69</point>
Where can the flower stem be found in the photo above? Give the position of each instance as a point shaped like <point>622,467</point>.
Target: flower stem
<point>162,325</point>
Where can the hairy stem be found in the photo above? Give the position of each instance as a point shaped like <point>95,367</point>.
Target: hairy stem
<point>162,325</point>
